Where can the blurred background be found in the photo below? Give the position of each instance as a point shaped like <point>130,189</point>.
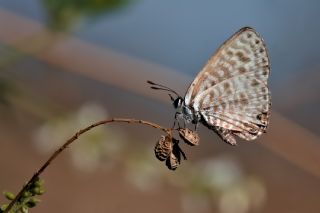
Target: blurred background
<point>67,63</point>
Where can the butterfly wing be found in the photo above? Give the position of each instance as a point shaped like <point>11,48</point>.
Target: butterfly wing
<point>231,90</point>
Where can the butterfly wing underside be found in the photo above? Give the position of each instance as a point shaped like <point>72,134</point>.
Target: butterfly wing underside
<point>231,92</point>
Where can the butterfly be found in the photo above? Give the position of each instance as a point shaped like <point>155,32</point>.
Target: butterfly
<point>230,94</point>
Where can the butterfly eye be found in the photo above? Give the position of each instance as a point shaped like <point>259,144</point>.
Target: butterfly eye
<point>177,102</point>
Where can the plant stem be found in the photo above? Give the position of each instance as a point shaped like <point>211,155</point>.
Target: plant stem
<point>72,139</point>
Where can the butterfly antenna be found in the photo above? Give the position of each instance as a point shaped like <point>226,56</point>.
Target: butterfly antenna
<point>172,99</point>
<point>162,87</point>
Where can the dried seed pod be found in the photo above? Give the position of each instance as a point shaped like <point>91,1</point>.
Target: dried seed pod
<point>163,148</point>
<point>190,137</point>
<point>177,151</point>
<point>172,161</point>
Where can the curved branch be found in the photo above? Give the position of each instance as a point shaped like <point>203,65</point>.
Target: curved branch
<point>71,140</point>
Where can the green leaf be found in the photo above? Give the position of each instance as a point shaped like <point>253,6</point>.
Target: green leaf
<point>3,207</point>
<point>32,202</point>
<point>9,195</point>
<point>24,209</point>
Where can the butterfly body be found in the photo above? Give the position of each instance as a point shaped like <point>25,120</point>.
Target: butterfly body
<point>186,113</point>
<point>230,94</point>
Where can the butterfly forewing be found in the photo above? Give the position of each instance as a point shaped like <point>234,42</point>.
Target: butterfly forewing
<point>231,90</point>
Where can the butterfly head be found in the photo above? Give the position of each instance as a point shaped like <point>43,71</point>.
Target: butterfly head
<point>183,111</point>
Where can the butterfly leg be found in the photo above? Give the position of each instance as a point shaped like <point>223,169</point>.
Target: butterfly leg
<point>174,124</point>
<point>196,126</point>
<point>176,120</point>
<point>184,123</point>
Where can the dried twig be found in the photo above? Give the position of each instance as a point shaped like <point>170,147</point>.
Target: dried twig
<point>71,140</point>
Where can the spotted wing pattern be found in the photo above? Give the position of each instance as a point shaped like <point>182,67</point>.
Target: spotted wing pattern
<point>231,91</point>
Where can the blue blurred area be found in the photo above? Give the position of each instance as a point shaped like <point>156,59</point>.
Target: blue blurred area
<point>183,34</point>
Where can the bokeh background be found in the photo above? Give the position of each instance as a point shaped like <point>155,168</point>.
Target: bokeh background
<point>67,63</point>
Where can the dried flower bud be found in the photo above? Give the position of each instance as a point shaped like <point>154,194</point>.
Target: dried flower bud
<point>190,137</point>
<point>163,148</point>
<point>172,161</point>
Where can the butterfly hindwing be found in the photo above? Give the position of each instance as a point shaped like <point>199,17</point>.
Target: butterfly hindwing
<point>231,90</point>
